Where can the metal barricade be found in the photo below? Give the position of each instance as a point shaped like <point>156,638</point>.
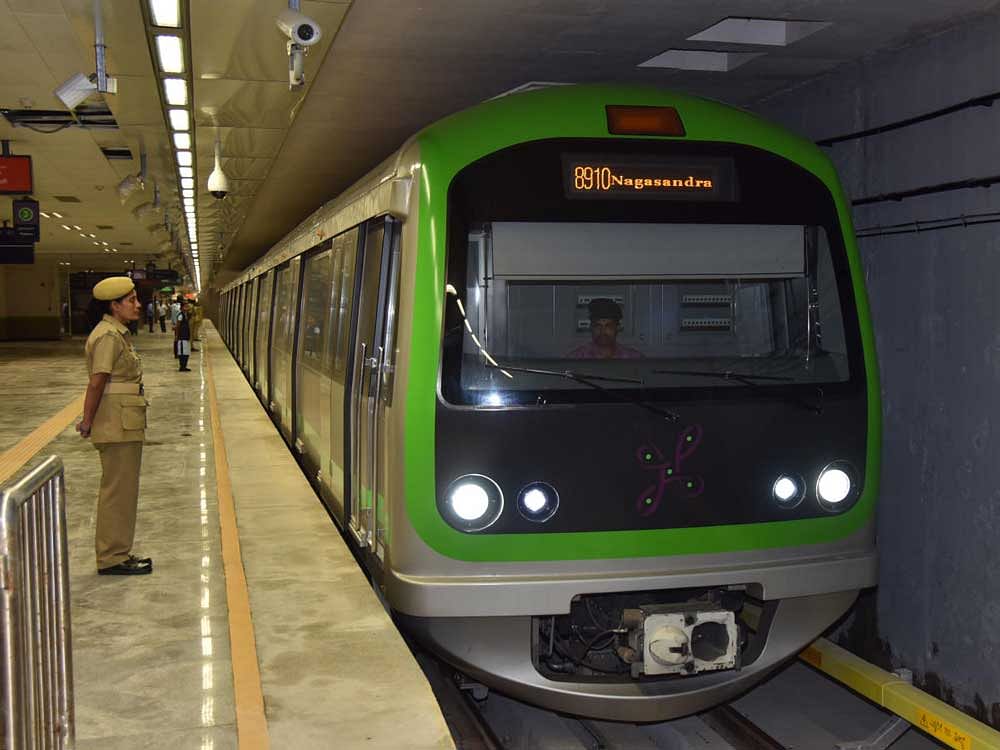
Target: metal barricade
<point>35,649</point>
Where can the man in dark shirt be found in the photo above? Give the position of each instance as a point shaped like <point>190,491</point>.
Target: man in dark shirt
<point>182,336</point>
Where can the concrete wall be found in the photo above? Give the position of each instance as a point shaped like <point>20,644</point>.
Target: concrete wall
<point>29,301</point>
<point>936,310</point>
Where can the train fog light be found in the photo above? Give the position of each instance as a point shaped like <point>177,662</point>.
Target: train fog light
<point>472,502</point>
<point>788,490</point>
<point>836,486</point>
<point>538,501</point>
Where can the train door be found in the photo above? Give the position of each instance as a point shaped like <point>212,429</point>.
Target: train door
<point>262,344</point>
<point>250,330</point>
<point>283,330</point>
<point>368,510</point>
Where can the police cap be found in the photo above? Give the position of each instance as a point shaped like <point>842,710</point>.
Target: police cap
<point>602,307</point>
<point>113,287</point>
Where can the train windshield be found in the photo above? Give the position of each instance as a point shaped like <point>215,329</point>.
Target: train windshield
<point>656,307</point>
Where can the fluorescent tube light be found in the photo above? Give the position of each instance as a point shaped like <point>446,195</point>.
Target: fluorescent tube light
<point>171,54</point>
<point>175,89</point>
<point>179,119</point>
<point>165,13</point>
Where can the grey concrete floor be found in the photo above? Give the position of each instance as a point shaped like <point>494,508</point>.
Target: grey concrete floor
<point>152,665</point>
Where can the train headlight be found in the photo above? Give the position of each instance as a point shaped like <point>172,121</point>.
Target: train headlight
<point>473,502</point>
<point>788,490</point>
<point>837,486</point>
<point>538,501</point>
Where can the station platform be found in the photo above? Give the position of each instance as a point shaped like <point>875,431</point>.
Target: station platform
<point>257,628</point>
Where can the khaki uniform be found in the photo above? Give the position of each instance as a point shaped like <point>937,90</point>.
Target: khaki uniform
<point>118,431</point>
<point>196,317</point>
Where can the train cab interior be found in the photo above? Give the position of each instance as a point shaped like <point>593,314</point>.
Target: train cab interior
<point>759,300</point>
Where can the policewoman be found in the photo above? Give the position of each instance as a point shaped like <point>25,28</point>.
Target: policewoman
<point>114,418</point>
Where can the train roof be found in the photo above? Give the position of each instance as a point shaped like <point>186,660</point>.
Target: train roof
<point>573,111</point>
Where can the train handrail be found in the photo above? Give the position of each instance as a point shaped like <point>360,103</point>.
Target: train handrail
<point>36,668</point>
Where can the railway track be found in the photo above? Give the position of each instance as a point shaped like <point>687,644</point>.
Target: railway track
<point>499,723</point>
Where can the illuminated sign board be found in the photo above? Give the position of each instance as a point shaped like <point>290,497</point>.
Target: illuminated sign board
<point>649,178</point>
<point>15,174</point>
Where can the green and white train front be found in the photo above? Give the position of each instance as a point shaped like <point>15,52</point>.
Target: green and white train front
<point>652,424</point>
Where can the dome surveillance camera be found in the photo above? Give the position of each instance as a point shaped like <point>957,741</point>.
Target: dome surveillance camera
<point>218,183</point>
<point>300,29</point>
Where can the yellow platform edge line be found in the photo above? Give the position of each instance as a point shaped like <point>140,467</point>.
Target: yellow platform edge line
<point>935,717</point>
<point>12,459</point>
<point>251,720</point>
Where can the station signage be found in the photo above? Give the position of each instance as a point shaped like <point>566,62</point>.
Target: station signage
<point>15,174</point>
<point>26,219</point>
<point>15,249</point>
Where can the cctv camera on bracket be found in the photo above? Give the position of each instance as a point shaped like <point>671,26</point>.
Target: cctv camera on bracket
<point>302,33</point>
<point>299,29</point>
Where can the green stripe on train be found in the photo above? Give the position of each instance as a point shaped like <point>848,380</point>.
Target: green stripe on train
<point>578,112</point>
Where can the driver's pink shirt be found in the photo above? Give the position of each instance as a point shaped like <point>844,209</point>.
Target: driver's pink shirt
<point>592,351</point>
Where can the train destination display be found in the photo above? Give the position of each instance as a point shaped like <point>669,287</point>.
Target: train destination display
<point>595,176</point>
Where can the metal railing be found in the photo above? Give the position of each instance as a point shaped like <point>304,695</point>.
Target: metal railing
<point>35,656</point>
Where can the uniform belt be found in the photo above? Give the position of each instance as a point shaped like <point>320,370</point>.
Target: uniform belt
<point>132,389</point>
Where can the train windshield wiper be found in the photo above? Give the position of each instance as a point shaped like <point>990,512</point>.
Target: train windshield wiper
<point>753,381</point>
<point>588,379</point>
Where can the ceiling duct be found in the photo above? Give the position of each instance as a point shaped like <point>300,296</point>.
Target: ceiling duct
<point>95,117</point>
<point>112,153</point>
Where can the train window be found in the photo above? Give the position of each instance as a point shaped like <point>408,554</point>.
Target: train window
<point>263,331</point>
<point>391,313</point>
<point>282,334</point>
<point>313,384</point>
<point>345,302</point>
<point>336,281</point>
<point>663,306</point>
<point>316,310</point>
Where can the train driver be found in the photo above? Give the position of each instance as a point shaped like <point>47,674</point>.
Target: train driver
<point>605,323</point>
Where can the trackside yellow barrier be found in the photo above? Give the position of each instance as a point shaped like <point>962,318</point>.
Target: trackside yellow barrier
<point>927,713</point>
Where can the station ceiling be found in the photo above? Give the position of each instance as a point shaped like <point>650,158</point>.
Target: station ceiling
<point>382,70</point>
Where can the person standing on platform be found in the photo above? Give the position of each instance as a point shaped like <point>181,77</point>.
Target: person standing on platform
<point>195,323</point>
<point>161,313</point>
<point>182,336</point>
<point>114,418</point>
<point>175,310</point>
<point>150,314</point>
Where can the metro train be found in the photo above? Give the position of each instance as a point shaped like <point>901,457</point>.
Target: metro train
<point>586,376</point>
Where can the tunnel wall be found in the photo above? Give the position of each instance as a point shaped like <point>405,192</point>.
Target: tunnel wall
<point>936,311</point>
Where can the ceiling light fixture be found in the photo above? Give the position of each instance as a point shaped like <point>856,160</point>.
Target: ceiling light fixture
<point>66,228</point>
<point>761,31</point>
<point>165,13</point>
<point>171,53</point>
<point>179,119</point>
<point>187,193</point>
<point>182,140</point>
<point>184,158</point>
<point>175,89</point>
<point>187,182</point>
<point>77,228</point>
<point>186,171</point>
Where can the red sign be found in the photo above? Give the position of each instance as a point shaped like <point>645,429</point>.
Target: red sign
<point>15,174</point>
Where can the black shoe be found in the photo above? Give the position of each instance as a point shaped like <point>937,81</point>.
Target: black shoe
<point>184,369</point>
<point>133,566</point>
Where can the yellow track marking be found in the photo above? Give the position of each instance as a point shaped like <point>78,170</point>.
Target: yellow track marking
<point>14,458</point>
<point>251,722</point>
